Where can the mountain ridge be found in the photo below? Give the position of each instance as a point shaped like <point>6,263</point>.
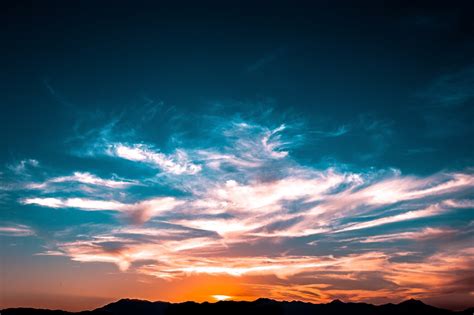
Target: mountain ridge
<point>259,306</point>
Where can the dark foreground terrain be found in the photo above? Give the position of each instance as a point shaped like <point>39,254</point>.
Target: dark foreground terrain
<point>260,307</point>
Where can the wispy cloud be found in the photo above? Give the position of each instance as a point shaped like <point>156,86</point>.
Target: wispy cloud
<point>79,203</point>
<point>451,89</point>
<point>16,230</point>
<point>340,131</point>
<point>424,234</point>
<point>247,146</point>
<point>83,178</point>
<point>242,206</point>
<point>22,166</point>
<point>410,215</point>
<point>139,212</point>
<point>375,277</point>
<point>266,59</point>
<point>176,163</point>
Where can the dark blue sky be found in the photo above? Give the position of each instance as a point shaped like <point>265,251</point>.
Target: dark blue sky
<point>327,65</point>
<point>351,124</point>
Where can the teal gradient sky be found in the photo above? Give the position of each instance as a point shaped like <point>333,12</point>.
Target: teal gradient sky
<point>307,151</point>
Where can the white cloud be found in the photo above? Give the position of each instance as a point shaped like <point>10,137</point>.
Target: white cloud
<point>84,178</point>
<point>248,194</point>
<point>140,211</point>
<point>177,163</point>
<point>45,202</point>
<point>271,142</point>
<point>410,215</point>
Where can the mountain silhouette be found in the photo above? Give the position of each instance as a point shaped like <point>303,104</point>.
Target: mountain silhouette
<point>261,306</point>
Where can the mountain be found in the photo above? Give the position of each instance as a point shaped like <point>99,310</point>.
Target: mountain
<point>261,306</point>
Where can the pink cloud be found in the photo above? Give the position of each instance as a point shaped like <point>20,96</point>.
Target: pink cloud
<point>16,230</point>
<point>140,211</point>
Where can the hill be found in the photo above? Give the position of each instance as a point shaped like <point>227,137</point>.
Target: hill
<point>261,307</point>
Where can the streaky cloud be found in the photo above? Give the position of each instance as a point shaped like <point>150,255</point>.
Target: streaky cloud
<point>410,215</point>
<point>423,234</point>
<point>177,163</point>
<point>217,207</point>
<point>139,212</point>
<point>16,230</point>
<point>83,178</point>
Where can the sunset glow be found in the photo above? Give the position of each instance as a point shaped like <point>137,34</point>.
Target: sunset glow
<point>310,152</point>
<point>221,297</point>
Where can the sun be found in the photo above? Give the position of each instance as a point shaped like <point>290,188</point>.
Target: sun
<point>219,297</point>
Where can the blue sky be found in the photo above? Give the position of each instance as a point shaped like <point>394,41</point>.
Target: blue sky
<point>305,152</point>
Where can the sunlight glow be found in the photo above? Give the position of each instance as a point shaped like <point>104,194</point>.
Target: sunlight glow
<point>219,297</point>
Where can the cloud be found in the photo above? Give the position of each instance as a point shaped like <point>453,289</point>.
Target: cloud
<point>340,131</point>
<point>79,203</point>
<point>271,143</point>
<point>144,210</point>
<point>410,215</point>
<point>362,276</point>
<point>124,250</point>
<point>352,276</point>
<point>251,210</point>
<point>247,146</point>
<point>22,166</point>
<point>83,178</point>
<point>16,230</point>
<point>266,59</point>
<point>193,255</point>
<point>451,89</point>
<point>424,234</point>
<point>177,163</point>
<point>139,212</point>
<point>460,204</point>
<point>374,277</point>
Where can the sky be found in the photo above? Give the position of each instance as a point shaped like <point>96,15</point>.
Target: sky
<point>203,151</point>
